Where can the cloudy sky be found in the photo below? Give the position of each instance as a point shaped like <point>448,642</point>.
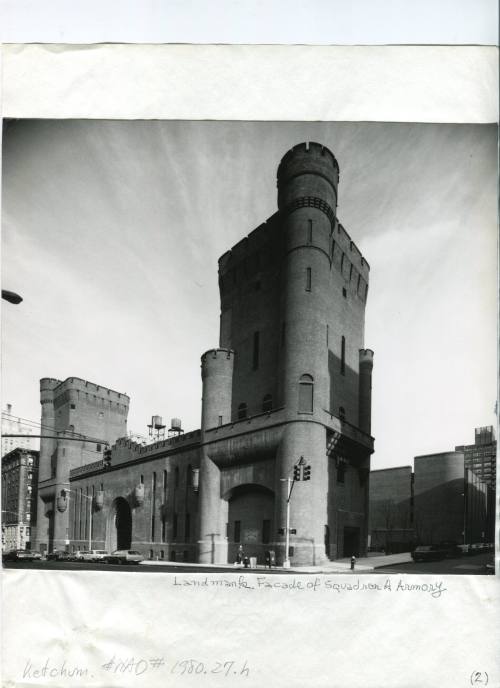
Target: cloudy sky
<point>112,231</point>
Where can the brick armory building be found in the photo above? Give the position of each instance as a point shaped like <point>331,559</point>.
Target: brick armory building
<point>289,382</point>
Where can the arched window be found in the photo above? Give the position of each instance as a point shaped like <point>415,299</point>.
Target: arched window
<point>242,411</point>
<point>267,403</point>
<point>306,393</point>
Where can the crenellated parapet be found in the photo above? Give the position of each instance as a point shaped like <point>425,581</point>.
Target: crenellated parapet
<point>308,158</point>
<point>75,390</point>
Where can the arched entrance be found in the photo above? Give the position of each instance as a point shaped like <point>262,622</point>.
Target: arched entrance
<point>119,525</point>
<point>250,521</point>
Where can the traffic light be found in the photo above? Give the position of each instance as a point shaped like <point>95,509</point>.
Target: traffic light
<point>307,473</point>
<point>296,472</point>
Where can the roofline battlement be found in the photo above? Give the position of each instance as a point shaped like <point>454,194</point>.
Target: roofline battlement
<point>311,147</point>
<point>248,245</point>
<point>229,353</point>
<point>352,246</point>
<point>77,383</point>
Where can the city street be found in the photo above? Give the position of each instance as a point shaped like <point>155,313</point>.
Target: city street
<point>475,565</point>
<point>459,566</point>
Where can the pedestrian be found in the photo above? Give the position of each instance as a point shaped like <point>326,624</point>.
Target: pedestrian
<point>267,556</point>
<point>246,562</point>
<point>240,556</point>
<point>353,562</point>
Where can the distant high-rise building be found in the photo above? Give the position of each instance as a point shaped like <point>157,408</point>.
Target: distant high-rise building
<point>19,493</point>
<point>480,457</point>
<point>11,425</point>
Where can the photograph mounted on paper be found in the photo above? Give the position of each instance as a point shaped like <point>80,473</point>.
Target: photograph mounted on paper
<point>337,281</point>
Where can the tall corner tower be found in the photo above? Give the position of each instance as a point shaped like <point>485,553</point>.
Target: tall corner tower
<point>291,383</point>
<point>326,372</point>
<point>78,419</point>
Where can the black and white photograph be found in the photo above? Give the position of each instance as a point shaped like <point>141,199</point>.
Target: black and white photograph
<point>259,347</point>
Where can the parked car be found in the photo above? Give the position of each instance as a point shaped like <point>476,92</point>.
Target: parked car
<point>429,553</point>
<point>21,555</point>
<point>124,556</point>
<point>94,555</point>
<point>59,555</point>
<point>77,556</point>
<point>452,549</point>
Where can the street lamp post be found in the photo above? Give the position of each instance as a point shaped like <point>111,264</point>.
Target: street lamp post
<point>301,471</point>
<point>286,563</point>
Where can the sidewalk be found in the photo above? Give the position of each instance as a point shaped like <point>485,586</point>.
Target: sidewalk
<point>338,566</point>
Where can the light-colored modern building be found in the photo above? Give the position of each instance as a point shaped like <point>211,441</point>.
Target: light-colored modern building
<point>481,457</point>
<point>19,497</point>
<point>286,393</point>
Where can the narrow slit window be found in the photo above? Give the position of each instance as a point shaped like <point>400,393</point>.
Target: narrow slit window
<point>309,231</point>
<point>255,358</point>
<point>308,279</point>
<point>342,356</point>
<point>306,394</point>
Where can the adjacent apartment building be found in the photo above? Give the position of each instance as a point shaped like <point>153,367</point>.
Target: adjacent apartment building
<point>19,498</point>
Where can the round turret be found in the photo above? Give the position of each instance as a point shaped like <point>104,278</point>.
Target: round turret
<point>308,170</point>
<point>217,376</point>
<point>365,389</point>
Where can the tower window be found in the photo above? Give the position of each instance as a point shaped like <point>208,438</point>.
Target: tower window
<point>72,406</point>
<point>309,231</point>
<point>255,358</point>
<point>342,356</point>
<point>308,279</point>
<point>220,421</point>
<point>344,292</point>
<point>341,473</point>
<point>242,411</point>
<point>327,334</point>
<point>306,393</point>
<point>341,413</point>
<point>266,531</point>
<point>267,403</point>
